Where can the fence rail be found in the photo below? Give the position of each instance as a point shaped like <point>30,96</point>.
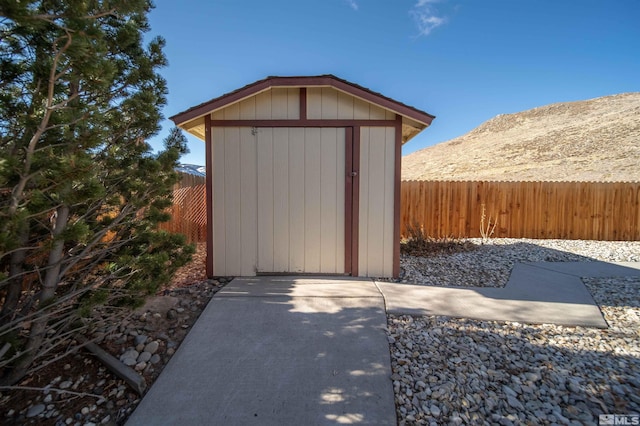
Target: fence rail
<point>563,210</point>
<point>189,209</point>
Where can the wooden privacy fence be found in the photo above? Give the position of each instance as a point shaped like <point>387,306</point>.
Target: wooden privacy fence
<point>563,210</point>
<point>189,210</point>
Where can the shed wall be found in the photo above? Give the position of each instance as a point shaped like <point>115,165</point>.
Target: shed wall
<point>278,200</point>
<point>376,207</point>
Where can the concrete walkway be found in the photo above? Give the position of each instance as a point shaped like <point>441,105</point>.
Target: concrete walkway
<point>313,351</point>
<point>280,351</point>
<point>536,293</point>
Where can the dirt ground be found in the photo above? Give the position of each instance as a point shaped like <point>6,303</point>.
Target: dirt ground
<point>79,389</point>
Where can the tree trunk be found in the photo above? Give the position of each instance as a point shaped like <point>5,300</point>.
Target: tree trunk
<point>14,289</point>
<point>51,280</point>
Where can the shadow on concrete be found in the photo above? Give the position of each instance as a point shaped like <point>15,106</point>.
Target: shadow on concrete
<point>274,351</point>
<point>537,292</point>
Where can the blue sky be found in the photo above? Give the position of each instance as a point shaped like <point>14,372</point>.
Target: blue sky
<point>464,61</point>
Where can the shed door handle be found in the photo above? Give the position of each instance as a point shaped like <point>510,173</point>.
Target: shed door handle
<point>354,174</point>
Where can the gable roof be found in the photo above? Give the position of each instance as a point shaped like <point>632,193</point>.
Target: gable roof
<point>422,118</point>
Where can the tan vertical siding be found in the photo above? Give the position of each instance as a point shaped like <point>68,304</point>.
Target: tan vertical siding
<point>296,200</point>
<point>281,200</point>
<point>265,201</point>
<point>231,204</point>
<point>277,104</point>
<point>332,200</point>
<point>361,109</point>
<point>234,201</point>
<point>248,109</point>
<point>327,103</point>
<point>300,200</point>
<point>232,112</point>
<point>314,103</point>
<point>345,106</point>
<point>248,202</point>
<point>312,199</point>
<point>263,105</point>
<point>376,202</point>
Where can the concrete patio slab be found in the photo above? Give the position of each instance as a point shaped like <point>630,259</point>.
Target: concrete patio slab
<point>275,351</point>
<point>313,350</point>
<point>536,293</point>
<point>596,269</point>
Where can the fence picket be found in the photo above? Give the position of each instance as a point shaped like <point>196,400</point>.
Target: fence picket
<point>564,210</point>
<point>189,209</point>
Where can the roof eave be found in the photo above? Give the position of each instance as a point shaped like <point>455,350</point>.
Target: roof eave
<point>309,81</point>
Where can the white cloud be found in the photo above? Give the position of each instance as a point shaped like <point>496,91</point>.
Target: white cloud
<point>426,16</point>
<point>353,4</point>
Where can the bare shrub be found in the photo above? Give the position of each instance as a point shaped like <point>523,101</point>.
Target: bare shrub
<point>417,243</point>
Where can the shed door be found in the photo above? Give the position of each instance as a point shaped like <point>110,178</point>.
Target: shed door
<point>301,200</point>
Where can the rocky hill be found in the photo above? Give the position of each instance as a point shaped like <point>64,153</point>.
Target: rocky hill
<point>592,140</point>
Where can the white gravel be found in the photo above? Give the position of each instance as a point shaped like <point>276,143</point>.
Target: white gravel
<point>457,371</point>
<point>490,264</point>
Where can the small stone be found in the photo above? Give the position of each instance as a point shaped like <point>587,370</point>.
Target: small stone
<point>435,411</point>
<point>130,353</point>
<point>152,347</point>
<point>155,359</point>
<point>144,357</point>
<point>48,398</point>
<point>139,340</point>
<point>84,411</point>
<point>129,361</point>
<point>509,391</point>
<point>66,384</point>
<point>140,366</point>
<point>513,402</point>
<point>35,410</point>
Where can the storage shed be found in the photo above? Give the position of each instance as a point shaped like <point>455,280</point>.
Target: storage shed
<point>303,176</point>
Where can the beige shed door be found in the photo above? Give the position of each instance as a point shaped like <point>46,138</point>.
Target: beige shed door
<point>301,200</point>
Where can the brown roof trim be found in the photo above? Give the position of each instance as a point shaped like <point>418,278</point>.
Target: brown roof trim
<point>320,80</point>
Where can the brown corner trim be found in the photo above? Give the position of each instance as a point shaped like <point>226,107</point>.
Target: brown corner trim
<point>209,191</point>
<point>355,211</point>
<point>396,196</point>
<point>348,199</point>
<point>303,103</point>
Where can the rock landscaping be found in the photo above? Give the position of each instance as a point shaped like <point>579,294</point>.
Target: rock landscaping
<point>457,371</point>
<point>489,263</point>
<point>444,370</point>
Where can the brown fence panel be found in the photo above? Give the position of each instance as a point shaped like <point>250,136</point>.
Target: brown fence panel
<point>563,210</point>
<point>189,209</point>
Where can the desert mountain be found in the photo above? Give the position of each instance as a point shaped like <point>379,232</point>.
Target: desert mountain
<point>592,140</point>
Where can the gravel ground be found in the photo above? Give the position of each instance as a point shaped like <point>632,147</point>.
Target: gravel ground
<point>490,264</point>
<point>457,371</point>
<point>445,371</point>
